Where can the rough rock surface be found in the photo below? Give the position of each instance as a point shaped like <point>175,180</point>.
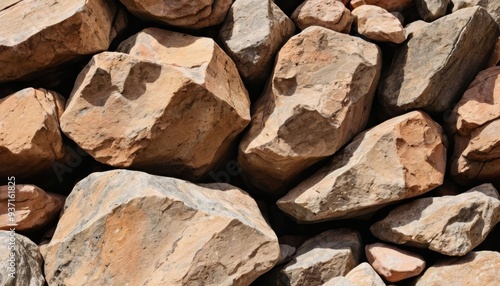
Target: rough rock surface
<point>392,263</point>
<point>327,255</point>
<point>163,230</point>
<point>323,83</point>
<point>34,208</point>
<point>425,69</point>
<point>30,139</point>
<point>254,52</point>
<point>339,281</point>
<point>400,158</point>
<point>389,5</point>
<point>377,24</point>
<point>475,268</point>
<point>29,262</point>
<point>37,35</point>
<point>492,6</point>
<point>331,14</point>
<point>430,10</point>
<point>364,275</point>
<point>451,225</point>
<point>176,102</point>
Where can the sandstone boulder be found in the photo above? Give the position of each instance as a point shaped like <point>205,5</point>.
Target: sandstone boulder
<point>317,99</point>
<point>492,6</point>
<point>164,231</point>
<point>364,275</point>
<point>430,10</point>
<point>339,281</point>
<point>389,5</point>
<point>331,14</point>
<point>400,158</point>
<point>377,24</point>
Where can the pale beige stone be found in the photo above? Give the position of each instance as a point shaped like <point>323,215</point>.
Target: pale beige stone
<point>392,263</point>
<point>364,275</point>
<point>391,5</point>
<point>430,10</point>
<point>339,281</point>
<point>331,14</point>
<point>377,24</point>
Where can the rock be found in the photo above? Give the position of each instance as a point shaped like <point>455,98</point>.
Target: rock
<point>389,5</point>
<point>27,261</point>
<point>339,281</point>
<point>323,83</point>
<point>425,69</point>
<point>163,230</point>
<point>327,255</point>
<point>480,267</point>
<point>414,27</point>
<point>492,6</point>
<point>430,10</point>
<point>180,13</point>
<point>495,55</point>
<point>34,208</point>
<point>175,101</point>
<point>38,35</point>
<point>377,24</point>
<point>451,225</point>
<point>400,158</point>
<point>286,253</point>
<point>392,263</point>
<point>253,53</point>
<point>331,14</point>
<point>30,139</point>
<point>364,275</point>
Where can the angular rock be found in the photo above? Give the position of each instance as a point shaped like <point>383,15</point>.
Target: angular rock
<point>430,10</point>
<point>400,158</point>
<point>377,24</point>
<point>389,5</point>
<point>253,52</point>
<point>495,55</point>
<point>41,34</point>
<point>425,71</point>
<point>286,253</point>
<point>364,275</point>
<point>327,255</point>
<point>28,263</point>
<point>331,14</point>
<point>339,281</point>
<point>181,13</point>
<point>318,98</point>
<point>492,6</point>
<point>176,102</point>
<point>451,225</point>
<point>163,230</point>
<point>30,139</point>
<point>392,263</point>
<point>34,208</point>
<point>475,268</point>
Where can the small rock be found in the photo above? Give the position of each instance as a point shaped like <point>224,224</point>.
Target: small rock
<point>430,10</point>
<point>377,24</point>
<point>364,275</point>
<point>339,281</point>
<point>389,5</point>
<point>331,14</point>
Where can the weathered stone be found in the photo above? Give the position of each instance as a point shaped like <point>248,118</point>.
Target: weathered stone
<point>318,98</point>
<point>430,10</point>
<point>34,208</point>
<point>492,6</point>
<point>40,34</point>
<point>401,158</point>
<point>377,24</point>
<point>252,34</point>
<point>180,13</point>
<point>331,14</point>
<point>28,263</point>
<point>364,275</point>
<point>30,139</point>
<point>432,69</point>
<point>176,102</point>
<point>327,255</point>
<point>339,281</point>
<point>451,225</point>
<point>392,263</point>
<point>495,55</point>
<point>476,268</point>
<point>163,230</point>
<point>389,5</point>
<point>286,253</point>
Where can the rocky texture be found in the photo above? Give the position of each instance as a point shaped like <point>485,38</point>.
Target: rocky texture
<point>254,52</point>
<point>28,261</point>
<point>339,281</point>
<point>392,263</point>
<point>286,253</point>
<point>323,82</point>
<point>163,230</point>
<point>401,158</point>
<point>37,35</point>
<point>495,55</point>
<point>364,275</point>
<point>34,208</point>
<point>492,6</point>
<point>451,225</point>
<point>389,5</point>
<point>430,10</point>
<point>180,13</point>
<point>175,102</point>
<point>331,14</point>
<point>425,69</point>
<point>30,139</point>
<point>327,255</point>
<point>475,268</point>
<point>377,24</point>
<point>475,120</point>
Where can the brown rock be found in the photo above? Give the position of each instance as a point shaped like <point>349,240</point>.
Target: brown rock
<point>377,24</point>
<point>495,55</point>
<point>364,275</point>
<point>318,98</point>
<point>175,101</point>
<point>37,35</point>
<point>400,158</point>
<point>430,10</point>
<point>389,5</point>
<point>331,14</point>
<point>30,139</point>
<point>492,6</point>
<point>163,230</point>
<point>339,281</point>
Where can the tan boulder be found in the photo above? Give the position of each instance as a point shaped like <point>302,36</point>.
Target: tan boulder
<point>377,24</point>
<point>364,275</point>
<point>317,99</point>
<point>392,263</point>
<point>339,281</point>
<point>430,10</point>
<point>331,14</point>
<point>389,5</point>
<point>400,158</point>
<point>164,231</point>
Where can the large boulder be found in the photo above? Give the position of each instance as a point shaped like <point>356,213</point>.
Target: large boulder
<point>331,14</point>
<point>492,6</point>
